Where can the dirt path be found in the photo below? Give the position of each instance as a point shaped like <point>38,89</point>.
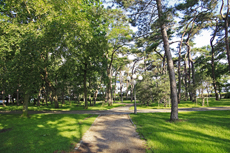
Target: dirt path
<point>112,134</point>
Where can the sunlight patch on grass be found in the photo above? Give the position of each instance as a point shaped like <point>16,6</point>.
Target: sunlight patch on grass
<point>206,132</point>
<point>189,104</point>
<point>43,132</point>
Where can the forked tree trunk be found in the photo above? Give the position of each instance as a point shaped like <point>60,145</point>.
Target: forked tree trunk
<point>174,100</point>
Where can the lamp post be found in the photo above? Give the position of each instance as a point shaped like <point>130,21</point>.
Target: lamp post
<point>134,83</point>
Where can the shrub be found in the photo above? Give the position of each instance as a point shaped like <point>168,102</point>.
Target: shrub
<point>227,95</point>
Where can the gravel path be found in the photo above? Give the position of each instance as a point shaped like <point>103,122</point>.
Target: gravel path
<point>112,134</point>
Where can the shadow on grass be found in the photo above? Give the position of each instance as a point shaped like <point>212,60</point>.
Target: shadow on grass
<point>42,132</point>
<point>196,132</point>
<point>62,107</point>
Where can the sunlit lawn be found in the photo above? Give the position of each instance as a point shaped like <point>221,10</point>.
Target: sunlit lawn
<point>189,104</point>
<point>42,133</point>
<point>62,107</point>
<point>200,132</point>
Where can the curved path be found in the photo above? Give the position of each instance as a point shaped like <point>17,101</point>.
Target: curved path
<point>113,131</point>
<point>111,134</point>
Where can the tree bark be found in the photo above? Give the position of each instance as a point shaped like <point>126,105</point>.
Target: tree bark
<point>111,88</point>
<point>185,78</point>
<point>38,99</point>
<point>189,70</point>
<point>213,66</point>
<point>164,69</point>
<point>95,97</point>
<point>108,90</point>
<point>85,87</point>
<point>127,85</point>
<point>179,75</point>
<point>174,101</point>
<point>193,82</point>
<point>90,101</point>
<point>226,30</point>
<point>3,98</point>
<point>121,86</point>
<point>62,95</point>
<point>46,94</point>
<point>114,96</point>
<point>25,105</point>
<point>17,97</point>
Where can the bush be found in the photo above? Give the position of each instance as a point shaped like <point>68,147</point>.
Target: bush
<point>227,95</point>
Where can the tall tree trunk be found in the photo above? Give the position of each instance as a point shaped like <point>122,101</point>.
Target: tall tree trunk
<point>185,79</point>
<point>111,88</point>
<point>189,72</point>
<point>53,89</point>
<point>39,97</point>
<point>85,87</point>
<point>131,89</point>
<point>3,98</point>
<point>179,75</point>
<point>25,105</point>
<point>121,86</point>
<point>46,95</point>
<point>95,97</point>
<point>90,101</point>
<point>51,98</point>
<point>226,30</point>
<point>62,95</point>
<point>174,101</point>
<point>193,82</point>
<point>127,85</point>
<point>17,97</point>
<point>164,67</point>
<point>213,66</point>
<point>114,99</point>
<point>108,87</point>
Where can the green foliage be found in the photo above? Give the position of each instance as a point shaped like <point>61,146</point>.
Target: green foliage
<point>153,88</point>
<point>227,95</point>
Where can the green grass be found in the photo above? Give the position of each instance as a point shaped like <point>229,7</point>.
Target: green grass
<point>201,132</point>
<point>62,107</point>
<point>42,133</point>
<point>189,104</point>
<point>127,101</point>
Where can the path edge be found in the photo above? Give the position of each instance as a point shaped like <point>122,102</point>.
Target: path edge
<point>132,122</point>
<point>81,141</point>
